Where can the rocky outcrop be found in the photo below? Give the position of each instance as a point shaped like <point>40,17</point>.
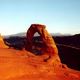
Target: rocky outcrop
<point>47,45</point>
<point>2,44</point>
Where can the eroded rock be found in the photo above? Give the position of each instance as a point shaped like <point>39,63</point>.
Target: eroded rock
<point>2,44</point>
<point>48,45</point>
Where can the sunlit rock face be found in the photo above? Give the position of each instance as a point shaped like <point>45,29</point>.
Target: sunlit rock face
<point>46,46</point>
<point>2,44</point>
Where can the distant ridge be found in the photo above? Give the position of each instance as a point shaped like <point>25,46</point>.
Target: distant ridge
<point>60,34</point>
<point>22,34</point>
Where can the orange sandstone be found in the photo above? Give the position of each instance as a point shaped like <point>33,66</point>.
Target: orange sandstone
<point>49,47</point>
<point>2,44</point>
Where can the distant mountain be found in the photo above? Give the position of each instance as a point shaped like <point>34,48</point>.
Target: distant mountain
<point>22,34</point>
<point>60,34</point>
<point>77,35</point>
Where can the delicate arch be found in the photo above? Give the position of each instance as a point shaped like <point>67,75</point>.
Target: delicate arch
<point>50,46</point>
<point>46,38</point>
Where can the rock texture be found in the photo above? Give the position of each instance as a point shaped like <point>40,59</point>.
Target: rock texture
<point>2,44</point>
<point>49,47</point>
<point>22,65</point>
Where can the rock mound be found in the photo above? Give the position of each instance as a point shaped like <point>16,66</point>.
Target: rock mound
<point>2,44</point>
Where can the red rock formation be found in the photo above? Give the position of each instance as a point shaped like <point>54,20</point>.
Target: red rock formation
<point>49,47</point>
<point>2,44</point>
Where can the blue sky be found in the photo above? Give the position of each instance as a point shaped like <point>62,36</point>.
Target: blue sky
<point>59,16</point>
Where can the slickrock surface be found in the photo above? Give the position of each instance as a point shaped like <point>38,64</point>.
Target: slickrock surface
<point>23,65</point>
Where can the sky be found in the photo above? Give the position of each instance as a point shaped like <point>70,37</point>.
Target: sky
<point>59,16</point>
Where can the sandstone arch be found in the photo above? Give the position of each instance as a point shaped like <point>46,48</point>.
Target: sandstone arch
<point>48,42</point>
